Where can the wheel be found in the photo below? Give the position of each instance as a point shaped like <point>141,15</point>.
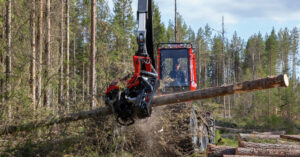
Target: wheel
<point>202,133</point>
<point>203,137</point>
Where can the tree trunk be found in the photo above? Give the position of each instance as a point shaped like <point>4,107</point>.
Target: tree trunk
<point>199,65</point>
<point>74,70</point>
<point>40,53</point>
<point>83,82</point>
<point>219,151</point>
<point>61,57</point>
<point>291,137</point>
<point>2,59</point>
<point>8,57</point>
<point>295,43</point>
<point>268,145</point>
<point>67,55</point>
<point>269,91</point>
<point>253,77</point>
<point>88,80</point>
<point>55,120</point>
<point>204,85</point>
<point>259,84</point>
<point>268,152</point>
<point>93,55</point>
<point>48,57</point>
<point>33,48</point>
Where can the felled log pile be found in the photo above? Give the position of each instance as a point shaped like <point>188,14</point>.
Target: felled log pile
<point>256,145</point>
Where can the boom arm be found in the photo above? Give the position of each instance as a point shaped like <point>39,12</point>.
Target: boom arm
<point>135,99</point>
<point>145,30</point>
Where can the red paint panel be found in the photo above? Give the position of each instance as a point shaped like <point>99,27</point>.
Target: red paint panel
<point>193,79</point>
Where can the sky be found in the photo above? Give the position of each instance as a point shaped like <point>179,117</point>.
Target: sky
<point>246,17</point>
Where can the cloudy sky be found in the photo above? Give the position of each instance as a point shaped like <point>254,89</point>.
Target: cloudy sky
<point>244,16</point>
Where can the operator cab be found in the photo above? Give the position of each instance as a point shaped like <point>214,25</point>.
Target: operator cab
<point>176,67</point>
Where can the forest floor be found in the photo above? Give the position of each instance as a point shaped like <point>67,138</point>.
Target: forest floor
<point>165,133</point>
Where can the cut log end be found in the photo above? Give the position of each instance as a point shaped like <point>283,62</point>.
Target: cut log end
<point>286,80</point>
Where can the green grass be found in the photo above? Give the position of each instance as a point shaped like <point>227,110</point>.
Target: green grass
<point>225,141</point>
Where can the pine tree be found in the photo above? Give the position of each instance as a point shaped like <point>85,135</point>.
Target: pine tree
<point>294,49</point>
<point>93,55</point>
<point>216,71</point>
<point>68,54</point>
<point>48,55</point>
<point>191,37</point>
<point>159,30</point>
<point>182,29</point>
<point>271,58</point>
<point>40,55</point>
<point>2,54</point>
<point>8,57</point>
<point>61,56</point>
<point>123,26</point>
<point>170,32</point>
<point>271,53</point>
<point>33,74</point>
<point>284,49</point>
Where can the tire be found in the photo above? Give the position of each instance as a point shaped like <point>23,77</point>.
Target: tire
<point>202,133</point>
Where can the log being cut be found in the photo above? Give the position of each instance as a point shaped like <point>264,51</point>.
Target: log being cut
<point>248,86</point>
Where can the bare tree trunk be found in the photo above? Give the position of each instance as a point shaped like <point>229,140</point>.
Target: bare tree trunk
<point>199,65</point>
<point>205,67</point>
<point>253,77</point>
<point>269,91</point>
<point>88,78</point>
<point>74,70</point>
<point>83,84</point>
<point>223,64</point>
<point>294,69</point>
<point>294,47</point>
<point>33,75</point>
<point>61,56</point>
<point>2,59</point>
<point>67,55</point>
<point>40,44</point>
<point>264,83</point>
<point>48,57</point>
<point>8,57</point>
<point>93,55</point>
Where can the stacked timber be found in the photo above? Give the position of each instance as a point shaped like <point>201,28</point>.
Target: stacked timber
<point>255,145</point>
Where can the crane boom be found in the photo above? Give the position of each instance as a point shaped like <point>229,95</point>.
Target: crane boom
<point>135,99</point>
